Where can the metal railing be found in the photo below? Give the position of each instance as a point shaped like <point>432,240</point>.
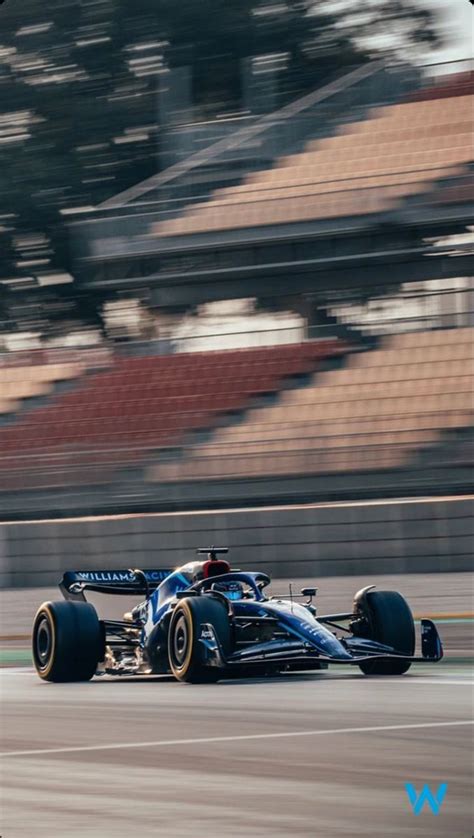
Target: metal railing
<point>444,69</point>
<point>248,132</point>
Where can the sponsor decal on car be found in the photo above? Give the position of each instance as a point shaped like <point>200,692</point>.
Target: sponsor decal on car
<point>120,576</point>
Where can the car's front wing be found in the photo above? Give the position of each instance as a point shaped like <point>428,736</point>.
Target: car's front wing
<point>293,651</point>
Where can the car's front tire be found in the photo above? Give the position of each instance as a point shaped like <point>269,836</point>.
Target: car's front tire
<point>67,640</point>
<point>185,650</point>
<point>389,620</point>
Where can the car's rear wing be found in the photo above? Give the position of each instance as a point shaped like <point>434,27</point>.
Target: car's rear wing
<point>74,583</point>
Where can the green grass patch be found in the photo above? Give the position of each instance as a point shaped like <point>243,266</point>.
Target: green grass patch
<point>18,656</point>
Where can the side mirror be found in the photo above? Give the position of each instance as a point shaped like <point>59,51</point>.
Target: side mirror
<point>309,591</point>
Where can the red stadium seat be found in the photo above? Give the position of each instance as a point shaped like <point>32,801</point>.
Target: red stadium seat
<point>149,402</point>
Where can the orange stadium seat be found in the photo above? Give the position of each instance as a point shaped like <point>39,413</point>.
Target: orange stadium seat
<point>400,151</point>
<point>18,383</point>
<point>375,412</point>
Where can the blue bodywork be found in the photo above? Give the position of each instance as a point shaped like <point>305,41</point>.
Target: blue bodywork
<point>293,618</point>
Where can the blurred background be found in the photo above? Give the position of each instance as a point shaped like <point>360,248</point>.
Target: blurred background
<point>235,290</point>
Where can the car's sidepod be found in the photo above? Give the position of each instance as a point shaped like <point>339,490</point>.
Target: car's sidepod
<point>301,623</point>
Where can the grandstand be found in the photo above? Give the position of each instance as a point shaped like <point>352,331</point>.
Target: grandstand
<point>17,384</point>
<point>171,426</point>
<point>337,216</point>
<point>373,413</point>
<point>28,378</point>
<point>398,152</point>
<point>372,170</point>
<point>141,404</point>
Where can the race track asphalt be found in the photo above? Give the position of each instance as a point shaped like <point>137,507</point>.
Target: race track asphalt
<point>322,754</point>
<point>306,755</point>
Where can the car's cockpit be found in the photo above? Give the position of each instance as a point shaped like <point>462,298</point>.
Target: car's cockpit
<point>213,574</point>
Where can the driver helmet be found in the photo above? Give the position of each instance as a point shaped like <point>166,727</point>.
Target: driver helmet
<point>231,590</point>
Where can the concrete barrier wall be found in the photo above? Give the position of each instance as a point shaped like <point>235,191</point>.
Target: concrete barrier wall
<point>426,535</point>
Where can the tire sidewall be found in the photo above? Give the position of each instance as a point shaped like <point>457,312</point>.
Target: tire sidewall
<point>76,644</point>
<point>195,611</point>
<point>44,668</point>
<point>182,613</point>
<point>391,622</point>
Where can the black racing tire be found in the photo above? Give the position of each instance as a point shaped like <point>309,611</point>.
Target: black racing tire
<point>391,622</point>
<point>185,651</point>
<point>68,641</point>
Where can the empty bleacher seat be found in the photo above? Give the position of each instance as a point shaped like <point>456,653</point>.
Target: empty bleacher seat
<point>400,151</point>
<point>141,404</point>
<point>455,84</point>
<point>24,382</point>
<point>378,410</point>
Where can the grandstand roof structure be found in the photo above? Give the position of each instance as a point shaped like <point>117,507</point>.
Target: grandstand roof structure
<point>351,186</point>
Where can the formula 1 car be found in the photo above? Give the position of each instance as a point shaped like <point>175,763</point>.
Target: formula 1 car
<point>203,622</point>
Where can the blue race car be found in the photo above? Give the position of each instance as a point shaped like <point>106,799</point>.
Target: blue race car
<point>204,621</point>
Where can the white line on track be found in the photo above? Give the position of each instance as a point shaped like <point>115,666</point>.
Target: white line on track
<point>459,682</point>
<point>239,738</point>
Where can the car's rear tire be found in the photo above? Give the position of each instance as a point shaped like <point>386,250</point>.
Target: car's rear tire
<point>389,621</point>
<point>68,641</point>
<point>186,652</point>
